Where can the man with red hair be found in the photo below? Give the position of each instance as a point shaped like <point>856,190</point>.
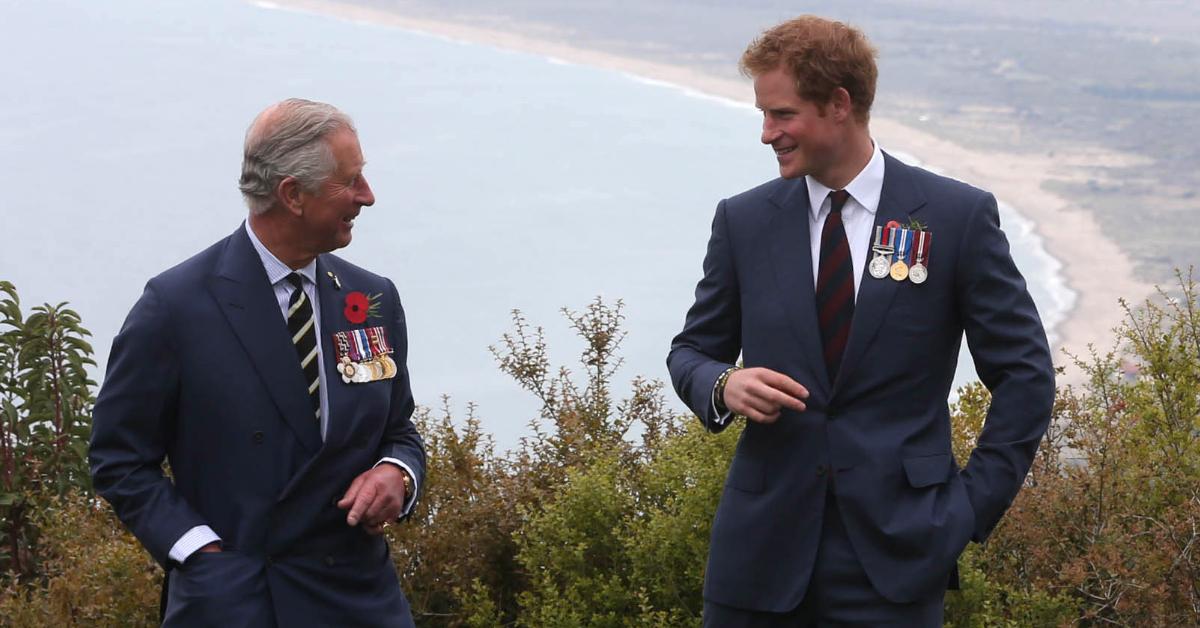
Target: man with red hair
<point>844,504</point>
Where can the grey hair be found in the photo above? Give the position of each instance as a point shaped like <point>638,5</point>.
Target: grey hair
<point>287,140</point>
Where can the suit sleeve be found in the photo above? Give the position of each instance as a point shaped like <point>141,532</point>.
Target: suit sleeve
<point>711,338</point>
<point>400,438</point>
<point>1011,355</point>
<point>133,419</point>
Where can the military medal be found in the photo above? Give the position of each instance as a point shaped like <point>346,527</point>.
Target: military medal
<point>919,273</point>
<point>345,365</point>
<point>899,267</point>
<point>374,369</point>
<point>363,355</point>
<point>346,368</point>
<point>389,366</point>
<point>880,262</point>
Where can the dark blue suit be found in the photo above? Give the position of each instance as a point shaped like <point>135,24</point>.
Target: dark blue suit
<point>882,428</point>
<point>204,373</point>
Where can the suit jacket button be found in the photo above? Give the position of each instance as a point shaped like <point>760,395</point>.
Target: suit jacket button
<point>270,561</point>
<point>259,437</point>
<point>329,561</point>
<point>820,469</point>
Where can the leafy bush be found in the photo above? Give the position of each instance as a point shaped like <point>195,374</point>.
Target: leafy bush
<point>91,571</point>
<point>45,418</point>
<point>1107,529</point>
<point>574,526</point>
<point>65,559</point>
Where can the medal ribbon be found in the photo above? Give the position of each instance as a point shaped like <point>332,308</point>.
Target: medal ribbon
<point>363,345</point>
<point>902,245</point>
<point>379,340</point>
<point>370,333</point>
<point>342,343</point>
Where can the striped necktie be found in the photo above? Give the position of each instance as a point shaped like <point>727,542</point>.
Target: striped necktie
<point>302,326</point>
<point>835,286</point>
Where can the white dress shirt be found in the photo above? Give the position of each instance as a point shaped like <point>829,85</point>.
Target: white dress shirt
<point>858,219</point>
<point>277,274</point>
<point>858,215</point>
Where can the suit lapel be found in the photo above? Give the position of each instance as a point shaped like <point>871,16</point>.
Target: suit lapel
<point>791,257</point>
<point>342,400</point>
<point>899,200</point>
<point>242,292</point>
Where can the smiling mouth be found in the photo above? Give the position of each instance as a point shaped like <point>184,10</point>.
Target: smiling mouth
<point>784,151</point>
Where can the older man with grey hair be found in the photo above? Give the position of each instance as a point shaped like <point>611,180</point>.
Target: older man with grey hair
<point>271,376</point>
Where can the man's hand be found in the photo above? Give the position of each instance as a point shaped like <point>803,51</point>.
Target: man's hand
<point>211,548</point>
<point>375,497</point>
<point>761,394</point>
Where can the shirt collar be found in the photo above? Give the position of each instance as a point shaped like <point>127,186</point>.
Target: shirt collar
<point>865,189</point>
<point>277,270</point>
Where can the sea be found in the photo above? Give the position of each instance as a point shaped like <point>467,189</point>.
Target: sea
<point>505,181</point>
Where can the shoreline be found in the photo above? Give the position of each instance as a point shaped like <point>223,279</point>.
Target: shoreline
<point>1092,265</point>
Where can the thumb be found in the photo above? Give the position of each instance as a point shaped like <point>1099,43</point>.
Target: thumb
<point>351,492</point>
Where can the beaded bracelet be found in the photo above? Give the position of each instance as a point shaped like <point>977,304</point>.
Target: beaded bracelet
<point>721,381</point>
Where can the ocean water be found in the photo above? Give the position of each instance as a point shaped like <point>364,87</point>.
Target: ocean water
<point>503,180</point>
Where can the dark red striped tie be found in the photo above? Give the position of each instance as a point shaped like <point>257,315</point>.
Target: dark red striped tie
<point>835,286</point>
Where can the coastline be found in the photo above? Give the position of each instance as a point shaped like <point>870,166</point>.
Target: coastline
<point>1092,265</point>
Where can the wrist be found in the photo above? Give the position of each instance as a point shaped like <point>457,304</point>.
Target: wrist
<point>722,382</point>
<point>408,483</point>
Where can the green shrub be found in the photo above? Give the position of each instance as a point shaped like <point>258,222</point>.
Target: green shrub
<point>92,572</point>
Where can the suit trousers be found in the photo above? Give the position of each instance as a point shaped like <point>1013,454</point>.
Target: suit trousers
<point>839,593</point>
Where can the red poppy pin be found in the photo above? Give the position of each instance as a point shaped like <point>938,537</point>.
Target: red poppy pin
<point>359,306</point>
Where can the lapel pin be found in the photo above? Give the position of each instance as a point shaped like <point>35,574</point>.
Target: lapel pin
<point>336,284</point>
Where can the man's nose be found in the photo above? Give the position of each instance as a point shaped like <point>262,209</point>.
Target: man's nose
<point>769,133</point>
<point>365,196</point>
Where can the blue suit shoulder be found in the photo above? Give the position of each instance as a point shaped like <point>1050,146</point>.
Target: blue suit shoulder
<point>754,208</point>
<point>943,187</point>
<point>757,196</point>
<point>353,276</point>
<point>190,274</point>
<point>947,205</point>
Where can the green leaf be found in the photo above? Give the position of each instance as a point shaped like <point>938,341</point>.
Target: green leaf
<point>80,345</point>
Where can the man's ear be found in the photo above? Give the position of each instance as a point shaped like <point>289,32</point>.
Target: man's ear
<point>840,105</point>
<point>291,195</point>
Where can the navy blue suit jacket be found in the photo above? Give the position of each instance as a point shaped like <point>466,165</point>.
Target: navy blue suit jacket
<point>204,374</point>
<point>883,426</point>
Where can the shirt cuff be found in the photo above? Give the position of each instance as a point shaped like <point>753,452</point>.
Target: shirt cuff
<point>411,499</point>
<point>191,541</point>
<point>721,417</point>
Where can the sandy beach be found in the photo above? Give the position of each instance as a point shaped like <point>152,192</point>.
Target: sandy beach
<point>1092,264</point>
